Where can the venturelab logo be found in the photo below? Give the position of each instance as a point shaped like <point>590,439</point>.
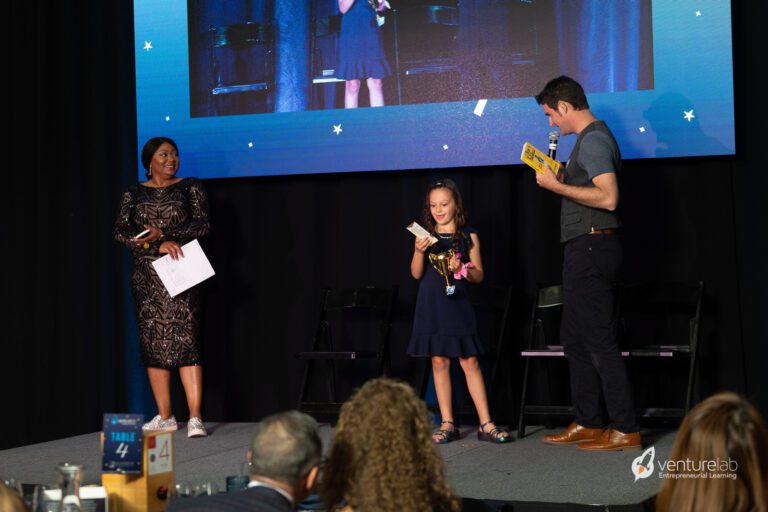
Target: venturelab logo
<point>642,466</point>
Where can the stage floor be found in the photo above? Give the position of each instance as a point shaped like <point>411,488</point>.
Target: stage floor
<point>526,470</point>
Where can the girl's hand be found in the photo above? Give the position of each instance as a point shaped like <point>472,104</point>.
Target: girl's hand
<point>454,264</point>
<point>171,248</point>
<point>422,244</point>
<point>154,234</point>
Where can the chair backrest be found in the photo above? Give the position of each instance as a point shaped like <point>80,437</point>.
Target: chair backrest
<point>357,318</point>
<point>243,53</point>
<point>491,302</point>
<point>546,314</point>
<point>324,43</point>
<point>243,34</point>
<point>427,30</point>
<point>659,314</point>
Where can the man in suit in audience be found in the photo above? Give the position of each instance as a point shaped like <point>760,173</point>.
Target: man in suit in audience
<point>284,461</point>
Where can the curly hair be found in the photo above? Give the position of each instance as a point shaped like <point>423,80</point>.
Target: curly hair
<point>725,426</point>
<point>461,214</point>
<point>383,457</point>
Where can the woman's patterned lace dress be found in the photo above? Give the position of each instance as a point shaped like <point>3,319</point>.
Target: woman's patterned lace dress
<point>168,327</point>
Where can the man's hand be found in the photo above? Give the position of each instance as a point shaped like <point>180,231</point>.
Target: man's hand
<point>549,180</point>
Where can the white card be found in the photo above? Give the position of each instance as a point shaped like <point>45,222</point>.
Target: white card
<point>191,269</point>
<point>416,229</point>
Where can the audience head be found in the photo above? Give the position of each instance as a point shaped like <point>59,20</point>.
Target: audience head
<point>382,457</point>
<point>10,500</point>
<point>725,427</point>
<point>286,448</point>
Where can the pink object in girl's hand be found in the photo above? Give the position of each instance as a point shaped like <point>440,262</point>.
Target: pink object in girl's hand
<point>462,272</point>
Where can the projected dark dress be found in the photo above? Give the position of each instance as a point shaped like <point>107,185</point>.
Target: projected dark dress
<point>444,325</point>
<point>168,327</point>
<point>361,52</point>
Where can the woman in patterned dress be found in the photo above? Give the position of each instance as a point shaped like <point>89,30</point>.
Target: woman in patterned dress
<point>171,212</point>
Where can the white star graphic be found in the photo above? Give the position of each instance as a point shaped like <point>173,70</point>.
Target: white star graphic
<point>167,118</point>
<point>445,146</point>
<point>337,129</point>
<point>698,13</point>
<point>642,129</point>
<point>688,115</point>
<point>147,45</point>
<point>250,144</point>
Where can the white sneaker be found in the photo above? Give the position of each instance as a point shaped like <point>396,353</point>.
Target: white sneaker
<point>195,427</point>
<point>159,424</point>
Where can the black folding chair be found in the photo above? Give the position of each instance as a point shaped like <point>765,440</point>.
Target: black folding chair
<point>353,324</point>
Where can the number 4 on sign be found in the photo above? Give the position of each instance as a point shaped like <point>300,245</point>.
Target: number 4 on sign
<point>164,451</point>
<point>122,450</point>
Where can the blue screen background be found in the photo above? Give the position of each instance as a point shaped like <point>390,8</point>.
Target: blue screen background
<point>692,72</point>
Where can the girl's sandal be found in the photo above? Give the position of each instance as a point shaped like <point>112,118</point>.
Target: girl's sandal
<point>496,435</point>
<point>443,436</point>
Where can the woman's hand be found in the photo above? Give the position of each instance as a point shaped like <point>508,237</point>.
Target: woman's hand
<point>422,243</point>
<point>154,234</point>
<point>171,248</point>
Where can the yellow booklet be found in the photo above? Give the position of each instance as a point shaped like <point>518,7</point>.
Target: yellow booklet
<point>535,158</point>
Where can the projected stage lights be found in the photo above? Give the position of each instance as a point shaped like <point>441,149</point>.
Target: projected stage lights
<point>641,66</point>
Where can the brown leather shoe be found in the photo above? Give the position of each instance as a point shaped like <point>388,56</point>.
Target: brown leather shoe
<point>575,433</point>
<point>613,440</point>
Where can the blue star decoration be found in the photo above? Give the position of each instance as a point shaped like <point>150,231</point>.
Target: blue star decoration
<point>337,129</point>
<point>688,115</point>
<point>147,45</point>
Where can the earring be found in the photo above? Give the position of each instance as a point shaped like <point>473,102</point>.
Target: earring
<point>150,170</point>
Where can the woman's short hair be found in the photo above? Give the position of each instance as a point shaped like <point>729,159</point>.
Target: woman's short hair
<point>150,147</point>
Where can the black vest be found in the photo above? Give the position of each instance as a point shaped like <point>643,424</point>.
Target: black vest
<point>577,219</point>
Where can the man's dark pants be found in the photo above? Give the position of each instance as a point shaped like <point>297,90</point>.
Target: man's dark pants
<point>588,332</point>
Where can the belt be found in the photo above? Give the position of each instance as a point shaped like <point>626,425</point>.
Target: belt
<point>607,231</point>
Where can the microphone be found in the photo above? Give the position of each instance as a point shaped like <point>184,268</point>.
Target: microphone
<point>553,137</point>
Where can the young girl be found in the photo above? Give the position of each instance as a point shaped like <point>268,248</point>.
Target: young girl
<point>444,325</point>
<point>361,51</point>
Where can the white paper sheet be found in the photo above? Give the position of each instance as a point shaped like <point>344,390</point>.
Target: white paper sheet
<point>186,272</point>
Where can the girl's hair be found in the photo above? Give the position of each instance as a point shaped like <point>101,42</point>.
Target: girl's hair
<point>727,427</point>
<point>461,214</point>
<point>383,457</point>
<point>150,148</point>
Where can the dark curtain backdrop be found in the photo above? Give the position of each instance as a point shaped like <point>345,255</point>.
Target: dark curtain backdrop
<point>69,348</point>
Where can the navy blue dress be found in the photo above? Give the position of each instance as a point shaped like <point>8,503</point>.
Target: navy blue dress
<point>361,51</point>
<point>444,325</point>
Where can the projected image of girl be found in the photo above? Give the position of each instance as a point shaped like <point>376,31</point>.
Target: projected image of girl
<point>361,53</point>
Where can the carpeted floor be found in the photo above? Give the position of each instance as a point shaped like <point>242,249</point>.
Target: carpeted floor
<point>526,470</point>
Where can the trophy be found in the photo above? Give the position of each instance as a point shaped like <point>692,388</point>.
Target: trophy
<point>440,262</point>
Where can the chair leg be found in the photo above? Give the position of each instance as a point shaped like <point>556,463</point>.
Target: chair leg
<point>424,377</point>
<point>521,416</point>
<point>305,383</point>
<point>330,380</point>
